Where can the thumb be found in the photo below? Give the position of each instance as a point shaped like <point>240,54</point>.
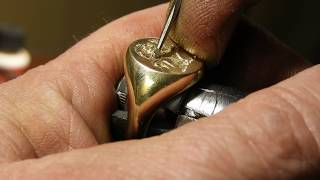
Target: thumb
<point>203,27</point>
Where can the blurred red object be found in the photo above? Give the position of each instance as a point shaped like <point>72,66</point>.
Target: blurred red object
<point>2,79</point>
<point>6,75</point>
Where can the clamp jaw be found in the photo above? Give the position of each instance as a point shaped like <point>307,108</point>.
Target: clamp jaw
<point>202,100</point>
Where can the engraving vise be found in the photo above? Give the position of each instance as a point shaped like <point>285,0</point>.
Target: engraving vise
<point>161,89</point>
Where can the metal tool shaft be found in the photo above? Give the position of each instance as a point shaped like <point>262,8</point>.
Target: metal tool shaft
<point>169,23</point>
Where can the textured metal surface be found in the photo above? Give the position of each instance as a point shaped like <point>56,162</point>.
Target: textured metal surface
<point>206,101</point>
<point>201,105</point>
<point>122,94</point>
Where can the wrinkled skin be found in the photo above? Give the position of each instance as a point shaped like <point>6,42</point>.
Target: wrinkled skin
<point>54,119</point>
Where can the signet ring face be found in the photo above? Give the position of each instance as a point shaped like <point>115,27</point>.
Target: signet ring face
<point>152,78</point>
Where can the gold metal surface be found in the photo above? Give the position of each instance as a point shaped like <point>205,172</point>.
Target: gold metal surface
<point>153,78</point>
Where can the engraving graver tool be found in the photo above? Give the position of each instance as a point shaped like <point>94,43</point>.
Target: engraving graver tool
<point>157,70</point>
<point>175,9</point>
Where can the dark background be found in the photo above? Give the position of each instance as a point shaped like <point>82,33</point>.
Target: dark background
<point>54,26</point>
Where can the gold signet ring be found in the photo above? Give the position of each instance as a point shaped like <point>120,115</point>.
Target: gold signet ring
<point>153,78</point>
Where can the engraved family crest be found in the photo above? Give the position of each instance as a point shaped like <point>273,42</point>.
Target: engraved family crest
<point>171,60</point>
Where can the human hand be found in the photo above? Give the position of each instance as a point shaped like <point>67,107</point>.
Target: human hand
<point>66,104</point>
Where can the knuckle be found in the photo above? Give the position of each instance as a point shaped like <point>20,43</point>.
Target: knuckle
<point>291,123</point>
